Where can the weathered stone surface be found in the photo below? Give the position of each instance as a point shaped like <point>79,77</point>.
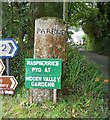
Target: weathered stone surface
<point>50,41</point>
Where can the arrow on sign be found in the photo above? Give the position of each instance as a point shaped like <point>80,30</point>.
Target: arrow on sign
<point>8,48</point>
<point>12,48</point>
<point>2,67</point>
<point>8,82</point>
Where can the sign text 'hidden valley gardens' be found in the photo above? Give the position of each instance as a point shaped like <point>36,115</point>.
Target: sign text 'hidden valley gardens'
<point>43,73</point>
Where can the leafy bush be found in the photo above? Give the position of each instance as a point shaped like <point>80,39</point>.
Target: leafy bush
<point>80,75</point>
<point>17,65</point>
<point>81,94</point>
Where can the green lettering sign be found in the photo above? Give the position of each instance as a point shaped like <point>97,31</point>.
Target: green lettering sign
<point>43,73</point>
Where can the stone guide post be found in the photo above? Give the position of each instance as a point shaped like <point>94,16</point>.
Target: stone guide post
<point>50,42</point>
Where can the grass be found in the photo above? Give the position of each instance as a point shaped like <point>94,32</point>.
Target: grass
<point>0,107</point>
<point>81,96</point>
<point>78,106</point>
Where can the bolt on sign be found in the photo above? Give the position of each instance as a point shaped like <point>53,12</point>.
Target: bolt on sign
<point>49,42</point>
<point>43,73</point>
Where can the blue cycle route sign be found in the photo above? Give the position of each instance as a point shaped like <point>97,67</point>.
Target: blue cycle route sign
<point>8,48</point>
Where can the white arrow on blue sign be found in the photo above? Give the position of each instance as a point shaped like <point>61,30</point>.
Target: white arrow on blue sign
<point>8,48</point>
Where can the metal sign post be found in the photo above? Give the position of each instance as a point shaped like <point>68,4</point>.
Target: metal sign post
<point>7,66</point>
<point>55,95</point>
<point>8,49</point>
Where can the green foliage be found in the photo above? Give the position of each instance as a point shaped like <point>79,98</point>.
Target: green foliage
<point>94,19</point>
<point>81,96</point>
<point>17,65</point>
<point>18,19</point>
<point>54,9</point>
<point>69,106</point>
<point>81,75</point>
<point>18,22</point>
<point>80,13</point>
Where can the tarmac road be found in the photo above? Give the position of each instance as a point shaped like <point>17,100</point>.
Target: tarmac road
<point>99,59</point>
<point>105,68</point>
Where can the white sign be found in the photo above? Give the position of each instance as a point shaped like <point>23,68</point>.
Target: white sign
<point>8,48</point>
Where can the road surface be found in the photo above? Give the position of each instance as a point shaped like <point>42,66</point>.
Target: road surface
<point>105,67</point>
<point>99,59</point>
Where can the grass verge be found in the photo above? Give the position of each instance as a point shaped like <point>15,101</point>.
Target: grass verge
<point>81,96</point>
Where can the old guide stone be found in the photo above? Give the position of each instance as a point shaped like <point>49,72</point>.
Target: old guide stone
<point>50,41</point>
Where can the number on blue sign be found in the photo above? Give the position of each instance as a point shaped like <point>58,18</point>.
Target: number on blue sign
<point>4,47</point>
